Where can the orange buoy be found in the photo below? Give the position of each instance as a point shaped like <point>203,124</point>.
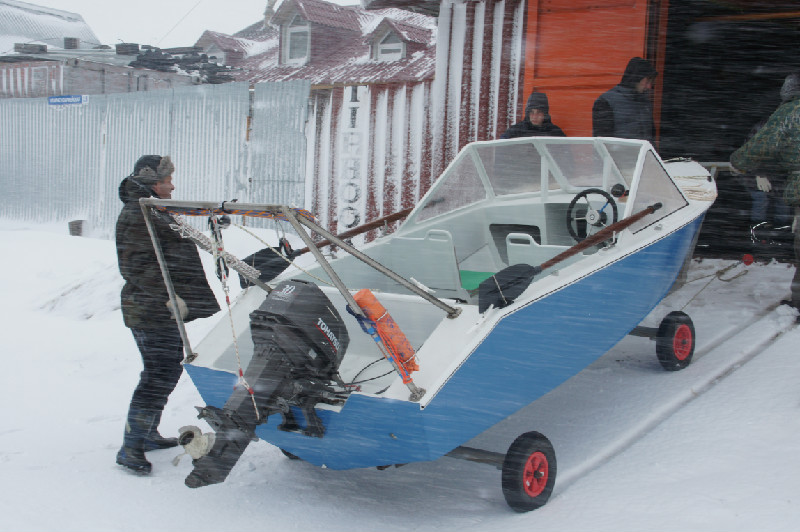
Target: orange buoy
<point>388,330</point>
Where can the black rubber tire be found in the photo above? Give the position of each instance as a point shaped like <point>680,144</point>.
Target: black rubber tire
<point>675,341</point>
<point>529,472</point>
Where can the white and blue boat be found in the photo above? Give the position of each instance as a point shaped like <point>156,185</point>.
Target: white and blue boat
<point>526,261</point>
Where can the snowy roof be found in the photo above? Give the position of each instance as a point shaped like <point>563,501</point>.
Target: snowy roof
<point>418,66</point>
<point>21,22</point>
<point>371,19</point>
<point>319,12</point>
<point>346,58</point>
<point>427,7</point>
<point>258,31</point>
<point>255,39</point>
<point>406,32</point>
<point>223,41</point>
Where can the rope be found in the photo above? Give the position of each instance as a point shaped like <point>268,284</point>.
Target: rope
<point>695,187</point>
<point>716,275</point>
<point>222,273</point>
<point>354,383</point>
<point>690,187</point>
<point>203,242</point>
<point>277,252</point>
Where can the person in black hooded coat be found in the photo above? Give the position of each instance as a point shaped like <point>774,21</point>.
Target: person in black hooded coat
<point>625,111</point>
<point>146,306</point>
<point>537,120</point>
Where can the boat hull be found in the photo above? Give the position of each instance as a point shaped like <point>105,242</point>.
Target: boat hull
<point>529,352</point>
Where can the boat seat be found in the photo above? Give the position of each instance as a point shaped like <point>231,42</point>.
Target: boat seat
<point>523,249</point>
<point>430,260</point>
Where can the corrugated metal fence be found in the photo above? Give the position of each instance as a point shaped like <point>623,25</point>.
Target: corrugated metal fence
<point>61,162</point>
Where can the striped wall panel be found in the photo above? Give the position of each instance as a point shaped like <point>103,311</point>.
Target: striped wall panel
<point>371,152</point>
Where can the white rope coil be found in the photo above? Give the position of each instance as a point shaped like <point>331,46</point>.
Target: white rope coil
<point>204,242</point>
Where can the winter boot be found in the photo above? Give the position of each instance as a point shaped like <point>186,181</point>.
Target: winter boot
<point>131,454</point>
<point>155,441</point>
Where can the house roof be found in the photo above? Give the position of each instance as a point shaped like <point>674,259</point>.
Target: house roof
<point>21,22</point>
<point>320,12</point>
<point>427,7</point>
<point>347,57</point>
<point>418,66</point>
<point>258,31</point>
<point>405,31</point>
<point>223,41</point>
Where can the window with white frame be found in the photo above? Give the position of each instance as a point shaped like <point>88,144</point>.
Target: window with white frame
<point>296,41</point>
<point>390,48</point>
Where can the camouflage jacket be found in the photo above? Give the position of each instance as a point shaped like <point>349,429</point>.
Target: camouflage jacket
<point>775,149</point>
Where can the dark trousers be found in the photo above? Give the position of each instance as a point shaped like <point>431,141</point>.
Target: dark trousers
<point>796,278</point>
<point>162,353</point>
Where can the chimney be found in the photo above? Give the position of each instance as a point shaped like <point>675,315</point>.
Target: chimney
<point>71,43</point>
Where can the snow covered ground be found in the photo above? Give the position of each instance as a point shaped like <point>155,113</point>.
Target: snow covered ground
<point>712,447</point>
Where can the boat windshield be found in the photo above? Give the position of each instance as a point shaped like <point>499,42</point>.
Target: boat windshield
<point>531,165</point>
<point>568,164</point>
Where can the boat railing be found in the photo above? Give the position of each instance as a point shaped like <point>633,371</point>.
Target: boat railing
<point>607,233</point>
<point>300,220</point>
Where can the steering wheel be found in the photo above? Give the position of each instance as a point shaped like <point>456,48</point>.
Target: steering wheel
<point>581,225</point>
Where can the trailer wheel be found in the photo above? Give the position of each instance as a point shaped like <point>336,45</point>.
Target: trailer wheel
<point>529,472</point>
<point>675,341</point>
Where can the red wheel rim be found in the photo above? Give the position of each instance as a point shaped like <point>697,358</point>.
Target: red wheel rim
<point>535,474</point>
<point>682,342</point>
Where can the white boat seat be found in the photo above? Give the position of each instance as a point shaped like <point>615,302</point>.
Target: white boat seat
<point>523,249</point>
<point>430,260</point>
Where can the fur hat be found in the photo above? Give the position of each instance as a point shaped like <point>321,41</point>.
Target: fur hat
<point>537,100</point>
<point>791,87</point>
<point>150,169</point>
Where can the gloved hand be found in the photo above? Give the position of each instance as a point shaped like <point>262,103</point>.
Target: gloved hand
<point>182,308</point>
<point>763,184</point>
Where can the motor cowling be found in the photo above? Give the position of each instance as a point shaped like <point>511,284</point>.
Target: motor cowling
<point>299,341</point>
<point>299,319</point>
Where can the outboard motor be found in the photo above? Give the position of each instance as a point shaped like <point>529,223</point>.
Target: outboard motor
<point>299,340</point>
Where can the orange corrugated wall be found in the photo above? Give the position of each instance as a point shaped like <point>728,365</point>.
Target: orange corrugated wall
<point>577,49</point>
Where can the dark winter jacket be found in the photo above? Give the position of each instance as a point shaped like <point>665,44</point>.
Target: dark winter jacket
<point>527,129</point>
<point>622,111</point>
<point>144,295</point>
<point>775,149</point>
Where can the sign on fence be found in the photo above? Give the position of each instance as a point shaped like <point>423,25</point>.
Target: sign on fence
<point>78,99</point>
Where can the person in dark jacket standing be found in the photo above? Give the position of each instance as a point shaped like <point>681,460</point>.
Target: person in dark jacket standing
<point>775,149</point>
<point>146,306</point>
<point>625,111</point>
<point>537,120</point>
